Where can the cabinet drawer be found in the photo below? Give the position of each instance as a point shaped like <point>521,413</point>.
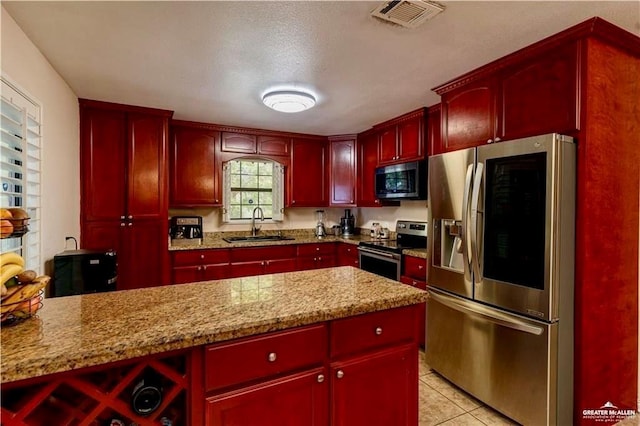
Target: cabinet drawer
<point>316,248</point>
<point>263,253</point>
<point>369,331</point>
<point>259,357</point>
<point>421,284</point>
<point>347,250</point>
<point>415,267</point>
<point>200,257</point>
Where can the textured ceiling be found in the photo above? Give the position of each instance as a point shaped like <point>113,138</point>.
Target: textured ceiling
<point>212,61</point>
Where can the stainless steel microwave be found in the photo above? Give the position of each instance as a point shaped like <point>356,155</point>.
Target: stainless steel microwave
<point>402,181</point>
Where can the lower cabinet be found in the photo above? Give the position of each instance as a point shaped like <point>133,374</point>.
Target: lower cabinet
<point>199,265</point>
<point>414,274</point>
<point>376,389</point>
<point>360,370</point>
<point>348,255</point>
<point>315,256</point>
<point>262,260</point>
<point>298,399</point>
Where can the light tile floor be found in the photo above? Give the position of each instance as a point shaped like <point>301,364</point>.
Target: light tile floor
<point>442,403</point>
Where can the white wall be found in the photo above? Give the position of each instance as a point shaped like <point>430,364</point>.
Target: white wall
<point>301,218</point>
<point>25,66</point>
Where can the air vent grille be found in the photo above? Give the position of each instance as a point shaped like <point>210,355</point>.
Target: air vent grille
<point>407,13</point>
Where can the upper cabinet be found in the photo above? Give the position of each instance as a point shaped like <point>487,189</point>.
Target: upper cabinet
<point>434,129</point>
<point>274,145</point>
<point>193,180</point>
<point>342,177</point>
<point>533,95</point>
<point>239,142</point>
<point>401,139</point>
<point>540,95</point>
<point>244,143</point>
<point>469,115</point>
<point>308,176</point>
<point>367,163</point>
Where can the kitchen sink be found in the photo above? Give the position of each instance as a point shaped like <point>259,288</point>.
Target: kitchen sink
<point>257,238</point>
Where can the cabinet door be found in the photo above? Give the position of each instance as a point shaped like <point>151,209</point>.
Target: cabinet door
<point>308,178</point>
<point>367,163</point>
<point>103,235</point>
<point>387,145</point>
<point>193,179</point>
<point>434,130</point>
<point>144,255</point>
<point>279,265</point>
<point>376,389</point>
<point>238,142</point>
<point>186,274</point>
<point>298,399</point>
<point>348,255</point>
<point>410,139</point>
<point>246,269</point>
<point>422,308</point>
<point>469,115</point>
<point>273,145</point>
<point>343,173</point>
<point>103,167</point>
<point>147,181</point>
<point>541,96</point>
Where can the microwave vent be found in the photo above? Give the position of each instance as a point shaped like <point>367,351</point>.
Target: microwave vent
<point>407,13</point>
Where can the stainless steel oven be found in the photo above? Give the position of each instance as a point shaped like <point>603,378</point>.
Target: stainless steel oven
<point>384,256</point>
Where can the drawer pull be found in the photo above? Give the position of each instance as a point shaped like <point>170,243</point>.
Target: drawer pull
<point>340,374</point>
<point>202,256</point>
<point>320,378</point>
<point>272,357</point>
<point>378,331</point>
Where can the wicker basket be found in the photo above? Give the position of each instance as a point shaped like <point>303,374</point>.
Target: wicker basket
<point>22,309</point>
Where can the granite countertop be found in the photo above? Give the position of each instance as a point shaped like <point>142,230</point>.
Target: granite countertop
<point>81,331</point>
<point>215,241</point>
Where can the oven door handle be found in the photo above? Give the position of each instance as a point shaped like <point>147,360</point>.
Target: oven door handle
<point>379,255</point>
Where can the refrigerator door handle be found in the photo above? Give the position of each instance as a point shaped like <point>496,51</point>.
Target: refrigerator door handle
<point>476,221</point>
<point>466,251</point>
<point>485,313</point>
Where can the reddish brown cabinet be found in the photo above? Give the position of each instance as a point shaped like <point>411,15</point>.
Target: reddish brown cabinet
<point>540,95</point>
<point>199,265</point>
<point>315,256</point>
<point>434,129</point>
<point>238,142</point>
<point>415,275</point>
<point>342,176</point>
<point>348,255</point>
<point>308,177</point>
<point>274,145</point>
<point>401,139</point>
<point>469,115</point>
<point>193,178</point>
<point>367,163</point>
<point>249,261</point>
<point>124,188</point>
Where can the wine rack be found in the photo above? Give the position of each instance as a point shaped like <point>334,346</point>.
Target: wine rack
<point>96,396</point>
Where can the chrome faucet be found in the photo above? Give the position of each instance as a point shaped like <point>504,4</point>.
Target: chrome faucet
<point>254,230</point>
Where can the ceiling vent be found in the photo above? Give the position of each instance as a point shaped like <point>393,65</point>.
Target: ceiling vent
<point>407,13</point>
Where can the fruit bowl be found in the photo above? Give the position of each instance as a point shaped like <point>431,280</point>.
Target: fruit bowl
<point>22,309</point>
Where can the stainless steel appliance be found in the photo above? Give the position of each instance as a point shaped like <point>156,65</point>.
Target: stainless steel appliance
<point>347,223</point>
<point>402,181</point>
<point>186,227</point>
<point>84,271</point>
<point>500,275</point>
<point>384,257</point>
<point>320,230</point>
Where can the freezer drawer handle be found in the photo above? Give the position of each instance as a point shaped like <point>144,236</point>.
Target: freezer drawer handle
<point>496,318</point>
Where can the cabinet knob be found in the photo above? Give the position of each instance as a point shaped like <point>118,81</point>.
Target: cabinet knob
<point>315,259</point>
<point>293,201</point>
<point>317,248</point>
<point>489,140</point>
<point>340,374</point>
<point>202,256</point>
<point>377,201</point>
<point>320,378</point>
<point>319,259</point>
<point>217,201</point>
<point>199,268</point>
<point>351,201</point>
<point>420,266</point>
<point>129,217</point>
<point>121,223</point>
<point>497,140</point>
<point>414,283</point>
<point>378,331</point>
<point>204,268</point>
<point>262,263</point>
<point>272,357</point>
<point>268,262</point>
<point>122,217</point>
<point>129,224</point>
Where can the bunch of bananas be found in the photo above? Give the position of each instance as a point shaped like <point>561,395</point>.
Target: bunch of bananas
<point>20,289</point>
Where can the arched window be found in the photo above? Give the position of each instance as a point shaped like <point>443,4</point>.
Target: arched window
<point>249,183</point>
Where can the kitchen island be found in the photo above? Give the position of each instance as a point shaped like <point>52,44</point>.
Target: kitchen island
<point>322,322</point>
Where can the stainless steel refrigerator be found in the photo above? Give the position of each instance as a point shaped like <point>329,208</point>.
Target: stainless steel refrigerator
<point>501,275</point>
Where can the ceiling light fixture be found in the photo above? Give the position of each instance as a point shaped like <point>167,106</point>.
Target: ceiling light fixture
<point>289,100</point>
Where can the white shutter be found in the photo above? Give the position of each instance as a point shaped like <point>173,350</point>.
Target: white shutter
<point>278,192</point>
<point>20,132</point>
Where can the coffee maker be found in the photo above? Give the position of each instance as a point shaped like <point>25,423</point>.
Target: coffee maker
<point>347,223</point>
<point>185,227</point>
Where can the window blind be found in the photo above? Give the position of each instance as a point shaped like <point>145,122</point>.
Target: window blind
<point>20,139</point>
